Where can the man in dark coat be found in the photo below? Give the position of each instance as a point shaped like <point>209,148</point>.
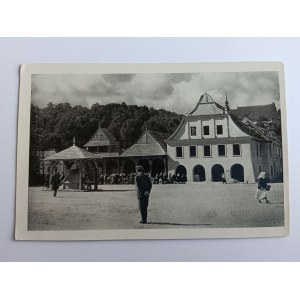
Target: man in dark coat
<point>55,181</point>
<point>144,186</point>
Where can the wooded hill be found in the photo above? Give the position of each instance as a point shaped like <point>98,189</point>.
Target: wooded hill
<point>62,122</point>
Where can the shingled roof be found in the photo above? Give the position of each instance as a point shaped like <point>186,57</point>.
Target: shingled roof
<point>247,126</point>
<point>246,117</point>
<point>102,137</point>
<point>256,113</point>
<point>70,153</point>
<point>149,144</point>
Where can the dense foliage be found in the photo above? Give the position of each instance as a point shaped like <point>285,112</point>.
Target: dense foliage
<point>62,122</point>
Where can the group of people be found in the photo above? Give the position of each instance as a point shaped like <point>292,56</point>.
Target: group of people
<point>162,178</point>
<point>122,178</point>
<point>117,178</point>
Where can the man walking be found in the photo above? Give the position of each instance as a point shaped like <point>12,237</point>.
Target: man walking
<point>144,186</point>
<point>55,181</point>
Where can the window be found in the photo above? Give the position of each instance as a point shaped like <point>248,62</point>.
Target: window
<point>206,150</point>
<point>193,131</point>
<point>205,130</point>
<point>221,150</point>
<point>219,129</point>
<point>236,149</point>
<point>193,151</point>
<point>179,152</point>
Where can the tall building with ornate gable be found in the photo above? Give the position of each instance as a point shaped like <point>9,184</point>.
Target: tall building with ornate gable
<point>213,142</point>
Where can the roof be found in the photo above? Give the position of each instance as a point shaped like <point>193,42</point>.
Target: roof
<point>246,117</point>
<point>102,137</point>
<point>248,127</point>
<point>147,145</point>
<point>207,106</point>
<point>106,154</point>
<point>48,153</point>
<point>70,153</point>
<point>256,113</point>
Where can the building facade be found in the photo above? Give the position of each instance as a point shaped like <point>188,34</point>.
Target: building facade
<point>214,143</point>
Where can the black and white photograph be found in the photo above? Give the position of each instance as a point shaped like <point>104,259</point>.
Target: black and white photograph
<point>152,151</point>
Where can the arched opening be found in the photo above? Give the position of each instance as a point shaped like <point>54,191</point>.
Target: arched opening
<point>237,172</point>
<point>129,166</point>
<point>217,172</point>
<point>111,167</point>
<point>181,170</point>
<point>181,174</point>
<point>100,167</point>
<point>158,167</point>
<point>199,173</point>
<point>145,163</point>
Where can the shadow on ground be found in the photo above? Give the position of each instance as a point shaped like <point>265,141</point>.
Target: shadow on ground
<point>183,224</point>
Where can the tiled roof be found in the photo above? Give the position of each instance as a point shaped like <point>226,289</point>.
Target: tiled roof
<point>102,137</point>
<point>147,145</point>
<point>257,112</point>
<point>72,152</point>
<point>248,127</point>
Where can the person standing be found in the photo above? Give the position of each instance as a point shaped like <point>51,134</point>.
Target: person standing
<point>223,179</point>
<point>144,186</point>
<point>262,187</point>
<point>55,181</point>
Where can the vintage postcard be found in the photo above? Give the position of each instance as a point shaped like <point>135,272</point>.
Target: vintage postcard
<point>151,151</point>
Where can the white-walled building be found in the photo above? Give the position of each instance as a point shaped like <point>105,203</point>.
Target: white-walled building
<point>214,142</point>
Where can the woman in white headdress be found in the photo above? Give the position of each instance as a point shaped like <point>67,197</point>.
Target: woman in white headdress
<point>261,192</point>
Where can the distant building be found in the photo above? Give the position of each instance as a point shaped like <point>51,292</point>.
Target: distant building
<point>213,142</point>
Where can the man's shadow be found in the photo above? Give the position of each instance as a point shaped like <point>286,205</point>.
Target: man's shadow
<point>180,224</point>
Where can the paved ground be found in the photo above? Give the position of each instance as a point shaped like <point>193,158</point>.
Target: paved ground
<point>171,206</point>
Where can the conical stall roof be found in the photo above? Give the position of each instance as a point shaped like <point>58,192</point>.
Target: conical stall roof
<point>147,145</point>
<point>102,137</point>
<point>71,153</point>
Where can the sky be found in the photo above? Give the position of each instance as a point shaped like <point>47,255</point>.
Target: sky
<point>177,92</point>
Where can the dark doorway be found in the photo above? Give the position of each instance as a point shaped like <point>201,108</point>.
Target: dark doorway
<point>129,166</point>
<point>181,170</point>
<point>199,173</point>
<point>158,167</point>
<point>217,172</point>
<point>145,163</point>
<point>111,167</point>
<point>237,172</point>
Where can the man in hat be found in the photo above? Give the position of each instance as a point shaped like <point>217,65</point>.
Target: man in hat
<point>144,185</point>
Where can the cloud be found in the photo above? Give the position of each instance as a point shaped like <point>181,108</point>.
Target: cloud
<point>176,92</point>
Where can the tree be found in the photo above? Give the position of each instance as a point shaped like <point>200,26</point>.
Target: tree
<point>62,122</point>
